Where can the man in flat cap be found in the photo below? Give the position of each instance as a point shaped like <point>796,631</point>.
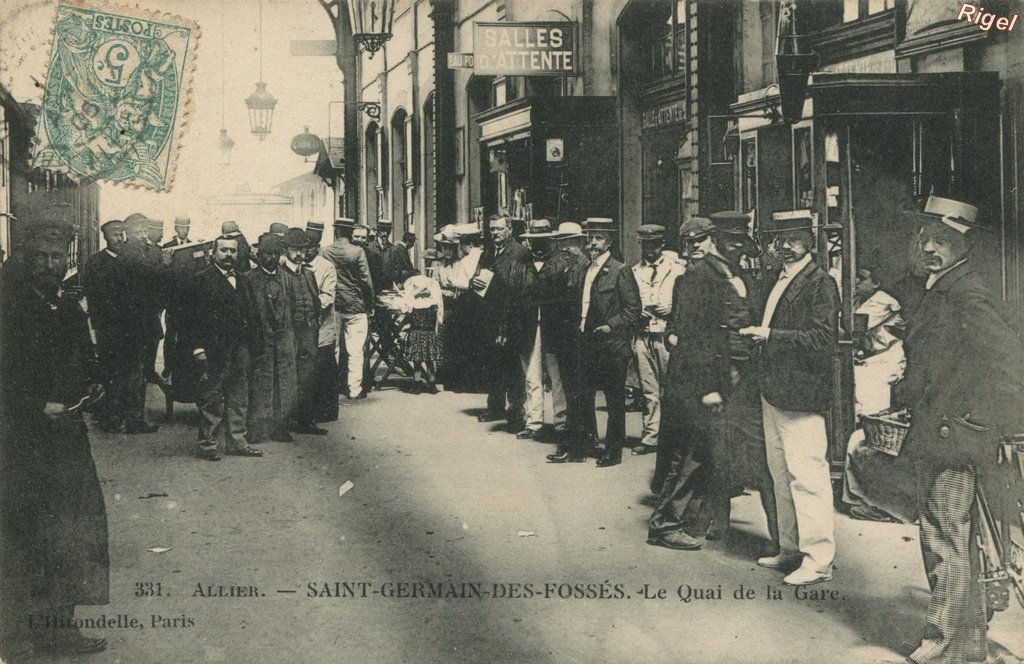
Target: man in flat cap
<point>53,524</point>
<point>353,301</point>
<point>655,277</point>
<point>796,341</point>
<point>711,303</point>
<point>182,226</point>
<point>609,315</point>
<point>963,384</point>
<point>325,392</point>
<point>306,320</point>
<point>273,388</point>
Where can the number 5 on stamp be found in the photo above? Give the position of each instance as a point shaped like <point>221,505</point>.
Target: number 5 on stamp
<point>116,95</point>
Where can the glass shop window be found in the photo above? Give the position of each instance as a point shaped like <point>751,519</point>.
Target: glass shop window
<point>665,42</point>
<point>858,9</point>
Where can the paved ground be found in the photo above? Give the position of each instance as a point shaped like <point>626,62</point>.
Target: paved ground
<point>441,504</point>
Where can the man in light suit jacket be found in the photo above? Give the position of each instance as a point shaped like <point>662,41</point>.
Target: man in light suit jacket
<point>609,315</point>
<point>655,277</point>
<point>221,330</point>
<point>797,338</point>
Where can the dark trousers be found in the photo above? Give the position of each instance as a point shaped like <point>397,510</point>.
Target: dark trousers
<point>306,374</point>
<point>113,372</point>
<point>604,371</point>
<point>223,400</point>
<point>325,389</point>
<point>136,358</point>
<point>507,383</point>
<point>576,436</point>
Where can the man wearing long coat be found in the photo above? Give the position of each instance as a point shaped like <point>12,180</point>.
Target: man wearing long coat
<point>273,383</point>
<point>53,524</point>
<point>963,384</point>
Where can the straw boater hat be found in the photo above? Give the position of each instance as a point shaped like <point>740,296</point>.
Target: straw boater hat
<point>316,228</point>
<point>538,228</point>
<point>959,216</point>
<point>568,230</point>
<point>344,222</point>
<point>599,225</point>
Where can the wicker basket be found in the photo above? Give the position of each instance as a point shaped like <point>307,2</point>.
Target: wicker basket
<point>883,432</point>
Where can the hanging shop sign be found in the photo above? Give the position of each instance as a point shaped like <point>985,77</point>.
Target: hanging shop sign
<point>524,49</point>
<point>664,115</point>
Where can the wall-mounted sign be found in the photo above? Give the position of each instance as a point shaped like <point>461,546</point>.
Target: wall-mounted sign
<point>664,115</point>
<point>524,49</point>
<point>460,61</point>
<point>555,149</point>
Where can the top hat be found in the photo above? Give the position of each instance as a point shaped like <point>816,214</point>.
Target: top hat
<point>696,228</point>
<point>113,226</point>
<point>344,222</point>
<point>296,238</point>
<point>277,228</point>
<point>650,233</point>
<point>315,226</point>
<point>538,228</point>
<point>568,230</point>
<point>271,242</point>
<point>182,221</point>
<point>599,225</point>
<point>959,216</point>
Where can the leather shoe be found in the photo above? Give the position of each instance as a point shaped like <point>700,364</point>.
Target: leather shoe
<point>489,417</point>
<point>141,427</point>
<point>526,434</point>
<point>783,561</point>
<point>673,539</point>
<point>805,576</point>
<point>566,457</point>
<point>643,448</point>
<point>209,455</point>
<point>716,532</point>
<point>245,452</point>
<point>609,460</point>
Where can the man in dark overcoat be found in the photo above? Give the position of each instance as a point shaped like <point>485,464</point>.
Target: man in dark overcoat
<point>273,384</point>
<point>609,315</point>
<point>796,342</point>
<point>505,259</point>
<point>711,302</point>
<point>53,524</point>
<point>306,319</point>
<point>963,384</point>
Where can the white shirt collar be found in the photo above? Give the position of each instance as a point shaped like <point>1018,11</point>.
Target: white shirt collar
<point>655,263</point>
<point>600,261</point>
<point>268,271</point>
<point>294,267</point>
<point>223,271</point>
<point>112,254</point>
<point>793,269</point>
<point>935,276</point>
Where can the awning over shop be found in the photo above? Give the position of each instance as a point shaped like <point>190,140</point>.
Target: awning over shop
<point>520,118</point>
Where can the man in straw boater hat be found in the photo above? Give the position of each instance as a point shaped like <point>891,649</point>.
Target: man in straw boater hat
<point>963,386</point>
<point>796,340</point>
<point>609,313</point>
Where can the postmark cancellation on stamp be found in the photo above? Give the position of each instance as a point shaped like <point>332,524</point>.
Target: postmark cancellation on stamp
<point>116,93</point>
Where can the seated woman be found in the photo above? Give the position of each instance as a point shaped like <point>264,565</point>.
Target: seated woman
<point>877,486</point>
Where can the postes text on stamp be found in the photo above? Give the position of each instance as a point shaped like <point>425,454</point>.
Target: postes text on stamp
<point>116,93</point>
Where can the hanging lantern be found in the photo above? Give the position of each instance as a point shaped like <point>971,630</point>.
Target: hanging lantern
<point>794,64</point>
<point>225,143</point>
<point>306,144</point>
<point>371,22</point>
<point>261,110</point>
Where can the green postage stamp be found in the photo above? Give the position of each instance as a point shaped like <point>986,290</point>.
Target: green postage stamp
<point>116,93</point>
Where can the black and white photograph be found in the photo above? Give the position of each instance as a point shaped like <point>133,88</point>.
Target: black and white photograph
<point>511,331</point>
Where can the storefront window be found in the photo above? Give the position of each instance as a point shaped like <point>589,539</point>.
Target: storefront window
<point>665,44</point>
<point>803,189</point>
<point>748,174</point>
<point>857,9</point>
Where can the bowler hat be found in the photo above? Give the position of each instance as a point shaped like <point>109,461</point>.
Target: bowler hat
<point>696,228</point>
<point>959,216</point>
<point>271,242</point>
<point>650,232</point>
<point>599,225</point>
<point>229,228</point>
<point>182,221</point>
<point>313,238</point>
<point>538,228</point>
<point>568,230</point>
<point>296,238</point>
<point>277,228</point>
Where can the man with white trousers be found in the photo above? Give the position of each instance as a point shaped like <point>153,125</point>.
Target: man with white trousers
<point>797,338</point>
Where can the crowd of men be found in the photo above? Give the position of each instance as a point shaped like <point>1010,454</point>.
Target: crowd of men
<point>735,378</point>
